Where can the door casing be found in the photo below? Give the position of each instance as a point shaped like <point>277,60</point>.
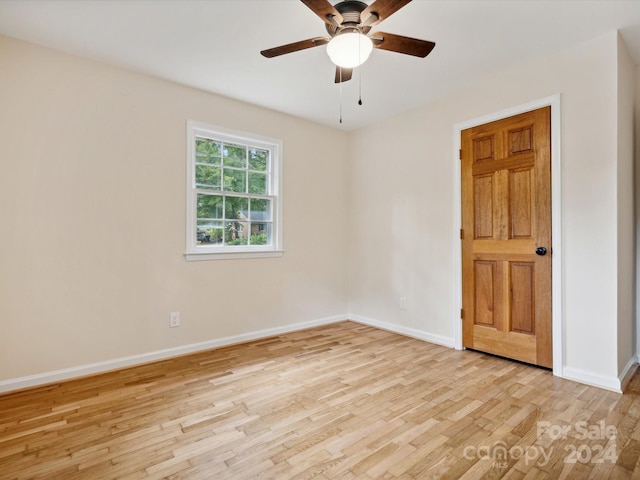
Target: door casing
<point>557,325</point>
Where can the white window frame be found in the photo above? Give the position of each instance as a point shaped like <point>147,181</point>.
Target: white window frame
<point>194,251</point>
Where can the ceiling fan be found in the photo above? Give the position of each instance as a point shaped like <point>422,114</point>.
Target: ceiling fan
<point>350,41</point>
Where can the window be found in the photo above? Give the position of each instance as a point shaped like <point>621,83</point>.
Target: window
<point>233,194</point>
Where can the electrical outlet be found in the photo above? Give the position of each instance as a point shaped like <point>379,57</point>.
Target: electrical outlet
<point>174,319</point>
<point>403,303</point>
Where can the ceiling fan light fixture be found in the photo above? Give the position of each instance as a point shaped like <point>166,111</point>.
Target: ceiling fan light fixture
<point>349,49</point>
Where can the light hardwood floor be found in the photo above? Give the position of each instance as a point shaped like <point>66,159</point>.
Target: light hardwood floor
<point>343,401</point>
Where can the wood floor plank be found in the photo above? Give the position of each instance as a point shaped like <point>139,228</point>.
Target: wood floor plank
<point>341,402</point>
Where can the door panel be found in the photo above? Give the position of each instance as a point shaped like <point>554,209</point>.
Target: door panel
<point>483,190</point>
<point>520,204</point>
<point>485,300</point>
<point>522,304</point>
<point>506,215</point>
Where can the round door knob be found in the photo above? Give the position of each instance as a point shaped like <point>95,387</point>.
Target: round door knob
<point>541,251</point>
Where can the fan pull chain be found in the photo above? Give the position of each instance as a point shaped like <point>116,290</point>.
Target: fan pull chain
<point>360,85</point>
<point>359,72</point>
<point>340,95</point>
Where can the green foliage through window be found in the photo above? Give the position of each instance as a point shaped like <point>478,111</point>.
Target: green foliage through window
<point>233,202</point>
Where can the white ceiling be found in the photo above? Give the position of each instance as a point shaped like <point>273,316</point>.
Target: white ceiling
<point>214,45</point>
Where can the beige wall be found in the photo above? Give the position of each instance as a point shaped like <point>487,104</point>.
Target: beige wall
<point>626,212</point>
<point>92,187</point>
<point>637,210</point>
<point>401,176</point>
<point>92,202</point>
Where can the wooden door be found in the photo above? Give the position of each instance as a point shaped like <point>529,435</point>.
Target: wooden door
<point>506,227</point>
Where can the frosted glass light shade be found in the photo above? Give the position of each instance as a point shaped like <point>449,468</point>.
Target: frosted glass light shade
<point>350,49</point>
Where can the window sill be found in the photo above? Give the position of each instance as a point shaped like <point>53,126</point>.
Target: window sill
<point>199,256</point>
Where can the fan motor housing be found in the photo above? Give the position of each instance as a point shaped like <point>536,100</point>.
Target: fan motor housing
<point>350,11</point>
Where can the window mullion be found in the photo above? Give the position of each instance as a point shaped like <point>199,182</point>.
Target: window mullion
<point>224,220</point>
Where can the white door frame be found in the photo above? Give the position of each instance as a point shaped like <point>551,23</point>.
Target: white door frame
<point>557,323</point>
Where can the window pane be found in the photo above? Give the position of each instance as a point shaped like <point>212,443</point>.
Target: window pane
<point>260,210</point>
<point>209,206</point>
<point>258,183</point>
<point>208,151</point>
<point>258,159</point>
<point>260,234</point>
<point>207,176</point>
<point>235,156</point>
<point>209,232</point>
<point>236,207</point>
<point>236,234</point>
<point>235,180</point>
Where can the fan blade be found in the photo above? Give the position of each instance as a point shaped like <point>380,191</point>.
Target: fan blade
<point>381,9</point>
<point>325,11</point>
<point>343,74</point>
<point>294,47</point>
<point>400,44</point>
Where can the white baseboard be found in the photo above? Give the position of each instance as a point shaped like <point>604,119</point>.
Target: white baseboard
<point>409,332</point>
<point>593,379</point>
<point>627,372</point>
<point>110,365</point>
<point>577,375</point>
<point>608,383</point>
<point>582,376</point>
